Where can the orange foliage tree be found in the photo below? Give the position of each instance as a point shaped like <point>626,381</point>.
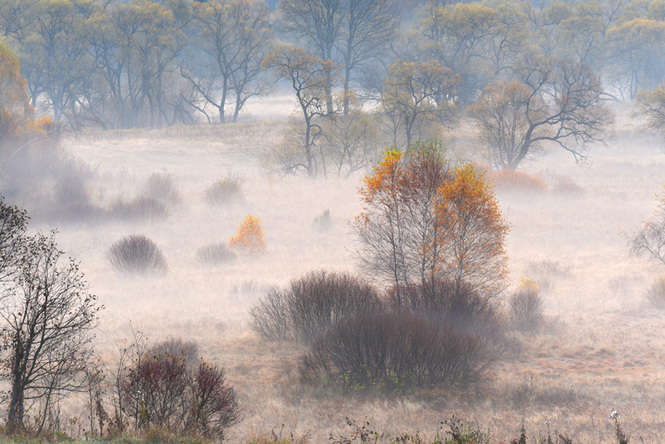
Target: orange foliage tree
<point>421,222</point>
<point>17,120</point>
<point>474,231</point>
<point>249,236</point>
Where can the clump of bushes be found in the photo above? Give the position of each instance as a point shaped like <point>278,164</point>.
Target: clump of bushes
<point>166,389</point>
<point>249,237</point>
<point>392,350</point>
<point>526,307</point>
<point>656,293</point>
<point>137,254</point>
<point>420,335</point>
<point>456,306</point>
<point>312,304</point>
<point>224,191</point>
<point>215,254</point>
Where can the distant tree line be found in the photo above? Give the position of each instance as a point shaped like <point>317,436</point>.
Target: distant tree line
<point>527,72</point>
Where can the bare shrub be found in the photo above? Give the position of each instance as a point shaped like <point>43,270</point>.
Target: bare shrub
<point>168,389</point>
<point>272,317</point>
<point>140,208</point>
<point>161,187</point>
<point>526,307</point>
<point>188,350</point>
<point>392,350</point>
<point>656,293</point>
<point>460,309</point>
<point>215,254</point>
<point>311,304</point>
<point>650,240</point>
<point>545,272</point>
<point>137,254</point>
<point>224,191</point>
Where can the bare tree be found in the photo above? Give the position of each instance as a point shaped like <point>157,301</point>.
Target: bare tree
<point>652,106</point>
<point>47,314</point>
<point>399,231</point>
<point>369,26</point>
<point>555,101</point>
<point>319,23</point>
<point>417,93</point>
<point>308,76</point>
<point>13,223</point>
<point>232,36</point>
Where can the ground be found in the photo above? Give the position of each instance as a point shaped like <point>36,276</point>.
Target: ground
<point>602,348</point>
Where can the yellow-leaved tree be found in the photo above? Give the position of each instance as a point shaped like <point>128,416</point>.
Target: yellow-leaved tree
<point>422,222</point>
<point>474,232</point>
<point>250,236</point>
<point>17,122</point>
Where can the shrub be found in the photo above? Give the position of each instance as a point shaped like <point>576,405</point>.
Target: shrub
<point>512,180</point>
<point>136,254</point>
<point>161,187</point>
<point>224,191</point>
<point>140,208</point>
<point>249,236</point>
<point>188,350</point>
<point>392,350</point>
<point>215,254</point>
<point>526,308</point>
<point>656,294</point>
<point>322,222</point>
<point>161,390</point>
<point>461,309</point>
<point>312,304</point>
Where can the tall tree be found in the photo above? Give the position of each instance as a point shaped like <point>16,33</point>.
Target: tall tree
<point>473,231</point>
<point>308,76</point>
<point>557,101</point>
<point>417,93</point>
<point>369,27</point>
<point>319,24</point>
<point>231,40</point>
<point>48,314</point>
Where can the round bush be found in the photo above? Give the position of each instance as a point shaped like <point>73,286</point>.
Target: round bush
<point>526,308</point>
<point>312,304</point>
<point>224,191</point>
<point>137,254</point>
<point>215,254</point>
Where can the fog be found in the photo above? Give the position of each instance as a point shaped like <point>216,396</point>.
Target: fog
<point>597,352</point>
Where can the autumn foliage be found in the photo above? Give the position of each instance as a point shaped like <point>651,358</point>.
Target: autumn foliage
<point>249,236</point>
<point>16,113</point>
<point>422,221</point>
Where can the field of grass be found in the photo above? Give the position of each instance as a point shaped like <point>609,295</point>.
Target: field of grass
<point>602,347</point>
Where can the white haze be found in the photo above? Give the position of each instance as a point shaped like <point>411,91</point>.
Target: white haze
<point>600,350</point>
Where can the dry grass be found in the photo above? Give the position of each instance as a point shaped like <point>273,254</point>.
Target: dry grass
<point>600,357</point>
<point>517,181</point>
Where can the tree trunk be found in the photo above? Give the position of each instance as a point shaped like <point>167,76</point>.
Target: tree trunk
<point>16,405</point>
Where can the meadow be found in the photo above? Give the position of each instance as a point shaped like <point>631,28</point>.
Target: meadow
<point>600,347</point>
